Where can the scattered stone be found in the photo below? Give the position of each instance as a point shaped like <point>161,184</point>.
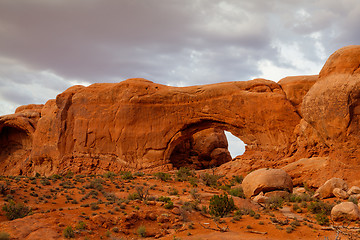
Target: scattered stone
<point>299,191</point>
<point>345,211</point>
<point>266,180</point>
<point>354,190</point>
<point>281,194</point>
<point>339,193</point>
<point>260,198</point>
<point>326,190</point>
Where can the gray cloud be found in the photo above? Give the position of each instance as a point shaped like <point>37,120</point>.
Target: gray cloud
<point>52,44</point>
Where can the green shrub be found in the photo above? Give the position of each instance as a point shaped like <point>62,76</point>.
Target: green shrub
<point>163,199</point>
<point>183,174</point>
<point>221,205</point>
<point>322,219</point>
<point>15,210</point>
<point>69,232</point>
<point>109,174</point>
<point>275,202</point>
<point>169,205</point>
<point>163,176</point>
<point>237,179</point>
<point>81,225</point>
<point>237,192</point>
<point>141,231</point>
<point>320,207</point>
<point>209,179</point>
<point>173,191</point>
<point>4,236</point>
<point>96,184</point>
<point>127,175</point>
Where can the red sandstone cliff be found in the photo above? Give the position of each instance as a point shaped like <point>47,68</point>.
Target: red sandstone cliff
<point>137,124</point>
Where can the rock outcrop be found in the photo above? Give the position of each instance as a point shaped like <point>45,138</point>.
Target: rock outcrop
<point>137,124</point>
<point>267,180</point>
<point>345,211</point>
<point>140,125</point>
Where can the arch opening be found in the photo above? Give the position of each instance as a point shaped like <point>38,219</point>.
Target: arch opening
<point>204,145</point>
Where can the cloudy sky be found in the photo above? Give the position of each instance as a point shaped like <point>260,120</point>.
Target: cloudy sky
<point>47,46</point>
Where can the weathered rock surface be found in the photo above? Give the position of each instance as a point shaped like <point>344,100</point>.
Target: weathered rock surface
<point>204,149</point>
<point>327,189</point>
<point>266,180</point>
<point>339,193</point>
<point>354,190</point>
<point>345,211</point>
<point>136,124</point>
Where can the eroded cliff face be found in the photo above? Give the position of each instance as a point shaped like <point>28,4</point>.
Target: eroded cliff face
<point>137,124</point>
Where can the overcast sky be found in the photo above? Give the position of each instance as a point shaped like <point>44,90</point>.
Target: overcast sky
<point>47,46</point>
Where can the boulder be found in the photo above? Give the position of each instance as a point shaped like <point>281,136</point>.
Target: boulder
<point>354,190</point>
<point>277,194</point>
<point>266,180</point>
<point>260,198</point>
<point>345,211</point>
<point>339,193</point>
<point>327,189</point>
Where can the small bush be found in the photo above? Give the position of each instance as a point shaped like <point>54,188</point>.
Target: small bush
<point>96,184</point>
<point>81,225</point>
<point>3,189</point>
<point>15,210</point>
<point>68,232</point>
<point>173,191</point>
<point>274,203</point>
<point>141,231</point>
<point>221,205</point>
<point>110,175</point>
<point>320,207</point>
<point>163,176</point>
<point>210,180</point>
<point>127,175</point>
<point>237,179</point>
<point>322,219</point>
<point>183,174</point>
<point>169,205</point>
<point>163,199</point>
<point>237,192</point>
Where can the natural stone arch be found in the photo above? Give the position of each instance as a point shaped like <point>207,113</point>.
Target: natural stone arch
<point>190,130</point>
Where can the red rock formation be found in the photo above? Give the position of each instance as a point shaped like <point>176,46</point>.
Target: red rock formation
<point>204,149</point>
<point>137,124</point>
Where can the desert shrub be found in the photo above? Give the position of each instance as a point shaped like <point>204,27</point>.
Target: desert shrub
<point>245,211</point>
<point>4,236</point>
<point>163,176</point>
<point>141,231</point>
<point>183,174</point>
<point>45,181</point>
<point>193,181</point>
<point>353,199</point>
<point>195,195</point>
<point>210,179</point>
<point>15,210</point>
<point>274,202</point>
<point>96,184</point>
<point>109,174</point>
<point>173,191</point>
<point>67,184</point>
<point>237,179</point>
<point>169,205</point>
<point>163,199</point>
<point>69,232</point>
<point>221,205</point>
<point>81,225</point>
<point>127,175</point>
<point>3,189</point>
<point>237,192</point>
<point>320,207</point>
<point>94,206</point>
<point>142,192</point>
<point>322,219</point>
<point>133,196</point>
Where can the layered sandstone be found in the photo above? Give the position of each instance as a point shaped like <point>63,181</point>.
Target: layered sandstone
<point>136,124</point>
<point>140,125</point>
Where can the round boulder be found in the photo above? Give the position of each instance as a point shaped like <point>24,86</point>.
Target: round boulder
<point>266,180</point>
<point>345,211</point>
<point>327,189</point>
<point>339,193</point>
